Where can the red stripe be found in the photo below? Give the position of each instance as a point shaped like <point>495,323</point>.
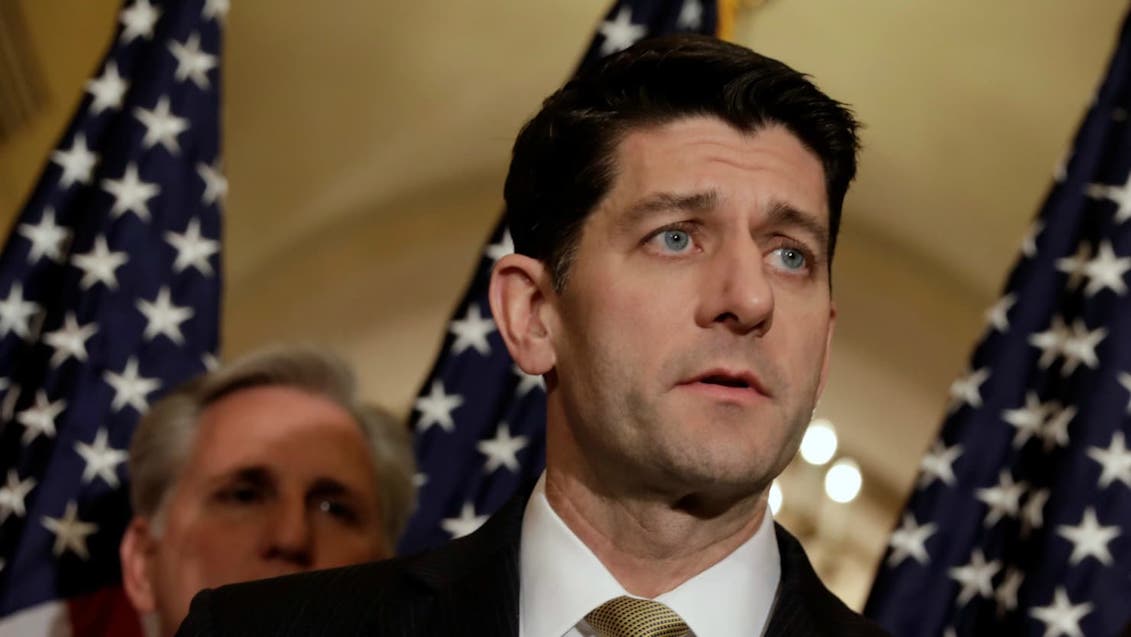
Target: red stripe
<point>104,613</point>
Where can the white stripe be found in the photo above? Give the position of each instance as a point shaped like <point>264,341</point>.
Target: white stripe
<point>46,620</point>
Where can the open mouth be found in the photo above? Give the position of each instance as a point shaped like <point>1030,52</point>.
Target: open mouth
<point>725,381</point>
<point>729,382</point>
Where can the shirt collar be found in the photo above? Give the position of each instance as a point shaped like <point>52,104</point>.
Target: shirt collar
<point>561,580</point>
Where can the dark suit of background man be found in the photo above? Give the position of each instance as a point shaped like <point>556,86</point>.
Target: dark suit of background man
<point>674,213</point>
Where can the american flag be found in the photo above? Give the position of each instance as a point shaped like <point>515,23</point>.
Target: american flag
<point>1020,523</point>
<point>480,421</point>
<point>109,295</point>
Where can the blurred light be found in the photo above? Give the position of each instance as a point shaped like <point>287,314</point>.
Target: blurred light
<point>842,481</point>
<point>775,498</point>
<point>818,446</point>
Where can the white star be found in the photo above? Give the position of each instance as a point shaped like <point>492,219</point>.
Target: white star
<point>909,540</point>
<point>436,408</point>
<point>1120,195</point>
<point>131,194</point>
<point>1080,347</point>
<point>965,390</point>
<point>70,532</point>
<point>192,63</point>
<point>1033,513</point>
<point>1028,419</point>
<point>465,524</point>
<point>192,249</point>
<point>527,382</point>
<point>215,184</point>
<point>69,341</point>
<point>161,126</point>
<point>505,246</point>
<point>1075,266</point>
<point>1061,617</point>
<point>215,9</point>
<point>1115,461</point>
<point>975,577</point>
<point>1006,593</point>
<point>690,15</point>
<point>1029,243</point>
<point>13,494</point>
<point>502,450</point>
<point>1055,430</point>
<point>210,362</point>
<point>1050,342</point>
<point>998,315</point>
<point>419,480</point>
<point>40,419</point>
<point>138,20</point>
<point>1106,271</point>
<point>472,331</point>
<point>1003,499</point>
<point>163,317</point>
<point>620,33</point>
<point>99,264</point>
<point>47,239</point>
<point>108,89</point>
<point>77,162</point>
<point>1089,539</point>
<point>16,313</point>
<point>130,388</point>
<point>938,464</point>
<point>101,459</point>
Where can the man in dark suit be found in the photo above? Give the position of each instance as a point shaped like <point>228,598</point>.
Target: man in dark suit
<point>674,212</point>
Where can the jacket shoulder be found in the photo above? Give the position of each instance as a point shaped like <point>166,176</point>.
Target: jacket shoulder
<point>467,586</point>
<point>805,606</point>
<point>334,601</point>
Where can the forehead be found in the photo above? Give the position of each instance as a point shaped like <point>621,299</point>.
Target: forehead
<point>271,426</point>
<point>705,153</point>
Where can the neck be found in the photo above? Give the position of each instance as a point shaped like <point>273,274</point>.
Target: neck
<point>651,543</point>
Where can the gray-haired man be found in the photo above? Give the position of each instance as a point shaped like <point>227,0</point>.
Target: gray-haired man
<point>268,466</point>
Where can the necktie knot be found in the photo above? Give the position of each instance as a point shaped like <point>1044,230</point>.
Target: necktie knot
<point>632,617</point>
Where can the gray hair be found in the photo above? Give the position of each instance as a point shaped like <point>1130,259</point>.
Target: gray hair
<point>166,433</point>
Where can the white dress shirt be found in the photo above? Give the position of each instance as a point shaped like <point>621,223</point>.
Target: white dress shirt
<point>562,580</point>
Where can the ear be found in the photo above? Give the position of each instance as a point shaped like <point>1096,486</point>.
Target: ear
<point>828,349</point>
<point>136,552</point>
<point>520,286</point>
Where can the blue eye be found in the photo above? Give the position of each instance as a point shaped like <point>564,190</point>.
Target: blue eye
<point>791,258</point>
<point>676,240</point>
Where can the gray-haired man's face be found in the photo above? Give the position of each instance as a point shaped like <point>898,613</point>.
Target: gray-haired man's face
<point>278,481</point>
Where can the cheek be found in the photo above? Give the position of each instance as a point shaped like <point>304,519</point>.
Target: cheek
<point>339,547</point>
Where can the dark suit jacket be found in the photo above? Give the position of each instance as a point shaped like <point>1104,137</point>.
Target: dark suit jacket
<point>468,587</point>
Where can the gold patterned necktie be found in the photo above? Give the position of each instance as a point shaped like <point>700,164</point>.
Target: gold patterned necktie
<point>632,617</point>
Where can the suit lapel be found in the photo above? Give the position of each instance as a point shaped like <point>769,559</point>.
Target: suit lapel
<point>797,609</point>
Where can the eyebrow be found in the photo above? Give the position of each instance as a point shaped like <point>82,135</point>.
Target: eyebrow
<point>667,201</point>
<point>783,214</point>
<point>328,487</point>
<point>262,477</point>
<point>255,474</point>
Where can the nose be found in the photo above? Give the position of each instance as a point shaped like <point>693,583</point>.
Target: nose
<point>737,294</point>
<point>289,536</point>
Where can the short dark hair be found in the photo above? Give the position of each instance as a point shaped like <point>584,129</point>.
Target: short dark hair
<point>562,161</point>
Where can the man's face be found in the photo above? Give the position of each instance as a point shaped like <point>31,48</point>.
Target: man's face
<point>278,480</point>
<point>693,330</point>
